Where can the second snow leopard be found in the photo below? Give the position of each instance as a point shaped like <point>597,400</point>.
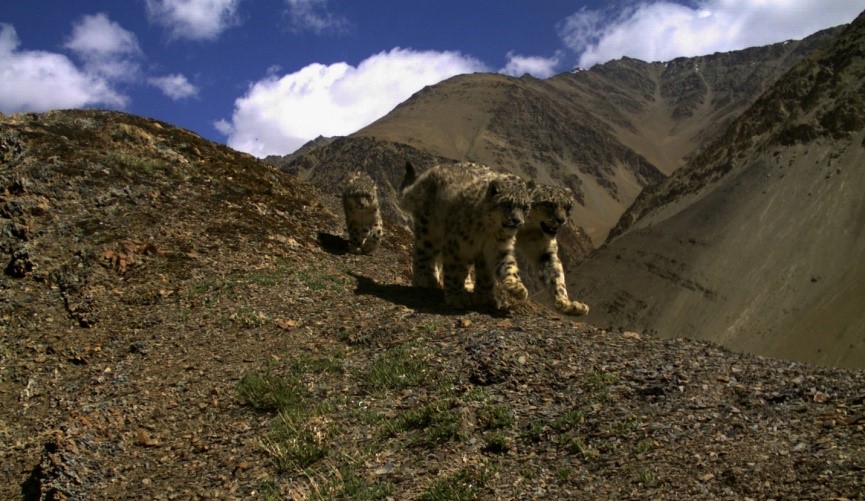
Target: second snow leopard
<point>362,213</point>
<point>465,215</point>
<point>537,244</point>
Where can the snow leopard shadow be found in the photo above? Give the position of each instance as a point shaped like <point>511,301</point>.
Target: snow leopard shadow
<point>416,298</point>
<point>333,244</point>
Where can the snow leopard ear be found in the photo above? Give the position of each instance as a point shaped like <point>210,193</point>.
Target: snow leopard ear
<point>496,187</point>
<point>409,177</point>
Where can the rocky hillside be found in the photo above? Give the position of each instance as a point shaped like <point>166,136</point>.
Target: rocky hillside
<point>182,321</point>
<point>758,243</point>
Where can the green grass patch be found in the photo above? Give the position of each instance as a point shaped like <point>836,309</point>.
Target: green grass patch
<point>569,421</point>
<point>317,280</point>
<point>564,474</point>
<point>433,424</point>
<point>265,391</point>
<point>625,426</point>
<point>307,363</point>
<point>395,369</point>
<point>477,394</point>
<point>644,476</point>
<point>533,432</point>
<point>577,445</point>
<point>293,444</point>
<point>494,416</point>
<point>147,166</point>
<point>599,383</point>
<point>496,443</point>
<point>267,490</point>
<point>644,446</point>
<point>246,318</point>
<point>348,485</point>
<point>463,485</point>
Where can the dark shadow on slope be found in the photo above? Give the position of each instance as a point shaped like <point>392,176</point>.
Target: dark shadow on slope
<point>31,489</point>
<point>416,298</point>
<point>333,244</point>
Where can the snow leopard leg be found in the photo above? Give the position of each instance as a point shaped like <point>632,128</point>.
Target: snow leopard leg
<point>553,276</point>
<point>484,291</point>
<point>504,267</point>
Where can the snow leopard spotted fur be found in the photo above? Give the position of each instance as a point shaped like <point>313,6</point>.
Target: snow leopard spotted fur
<point>465,215</point>
<point>362,214</point>
<point>537,244</point>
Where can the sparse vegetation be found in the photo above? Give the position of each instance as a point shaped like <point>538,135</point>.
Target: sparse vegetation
<point>496,443</point>
<point>463,485</point>
<point>397,368</point>
<point>494,416</point>
<point>318,280</point>
<point>294,443</point>
<point>266,391</point>
<point>433,424</point>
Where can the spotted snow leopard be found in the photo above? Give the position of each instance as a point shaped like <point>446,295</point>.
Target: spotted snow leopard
<point>362,214</point>
<point>465,215</point>
<point>537,244</point>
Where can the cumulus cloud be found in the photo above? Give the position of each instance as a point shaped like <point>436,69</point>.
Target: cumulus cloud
<point>105,47</point>
<point>277,115</point>
<point>175,86</point>
<point>41,81</point>
<point>313,15</point>
<point>537,66</point>
<point>663,30</point>
<point>193,19</point>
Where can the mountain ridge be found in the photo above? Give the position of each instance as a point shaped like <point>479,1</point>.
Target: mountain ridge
<point>758,242</point>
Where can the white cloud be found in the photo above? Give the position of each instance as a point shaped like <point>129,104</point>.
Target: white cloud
<point>193,19</point>
<point>537,66</point>
<point>314,16</point>
<point>105,47</point>
<point>41,81</point>
<point>663,30</point>
<point>97,34</point>
<point>279,114</point>
<point>176,86</point>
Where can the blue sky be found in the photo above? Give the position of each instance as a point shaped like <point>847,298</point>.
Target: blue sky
<point>265,76</point>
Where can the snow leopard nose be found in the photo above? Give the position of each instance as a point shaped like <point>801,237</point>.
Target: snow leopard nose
<point>560,220</point>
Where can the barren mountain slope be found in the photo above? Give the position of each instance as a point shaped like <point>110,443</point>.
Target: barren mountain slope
<point>604,132</point>
<point>528,127</point>
<point>666,111</point>
<point>181,321</point>
<point>759,244</point>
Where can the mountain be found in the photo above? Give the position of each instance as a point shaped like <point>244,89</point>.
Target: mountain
<point>179,320</point>
<point>606,133</point>
<point>758,243</point>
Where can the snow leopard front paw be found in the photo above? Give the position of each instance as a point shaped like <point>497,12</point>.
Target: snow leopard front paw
<point>573,308</point>
<point>516,289</point>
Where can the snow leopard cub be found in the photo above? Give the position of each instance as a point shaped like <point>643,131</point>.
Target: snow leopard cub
<point>537,244</point>
<point>362,214</point>
<point>465,215</point>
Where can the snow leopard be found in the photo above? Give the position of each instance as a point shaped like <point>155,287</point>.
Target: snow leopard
<point>465,215</point>
<point>362,213</point>
<point>537,244</point>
